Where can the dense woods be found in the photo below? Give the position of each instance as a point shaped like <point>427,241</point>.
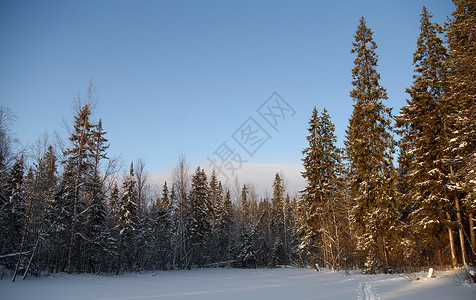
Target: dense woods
<point>398,196</point>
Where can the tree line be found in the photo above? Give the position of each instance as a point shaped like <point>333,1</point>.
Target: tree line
<point>359,208</point>
<point>68,211</point>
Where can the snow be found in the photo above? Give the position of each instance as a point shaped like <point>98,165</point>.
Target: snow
<point>285,283</point>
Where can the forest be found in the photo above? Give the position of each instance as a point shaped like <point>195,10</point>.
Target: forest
<point>400,194</point>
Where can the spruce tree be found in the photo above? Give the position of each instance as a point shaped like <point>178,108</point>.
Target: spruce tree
<point>40,185</point>
<point>320,197</point>
<point>99,146</point>
<point>369,147</point>
<point>13,214</point>
<point>100,242</point>
<point>226,228</point>
<point>181,211</point>
<point>421,152</point>
<point>114,205</point>
<point>97,226</point>
<point>76,179</point>
<point>460,116</point>
<point>128,223</point>
<point>278,217</point>
<point>161,229</point>
<point>199,221</point>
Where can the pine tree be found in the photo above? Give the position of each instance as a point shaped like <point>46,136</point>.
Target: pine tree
<point>99,146</point>
<point>13,214</point>
<point>114,204</point>
<point>128,223</point>
<point>245,207</point>
<point>41,182</point>
<point>369,146</point>
<point>460,116</point>
<point>279,255</point>
<point>162,229</point>
<point>181,210</point>
<point>269,249</point>
<point>75,180</point>
<point>248,248</point>
<point>100,242</point>
<point>421,152</point>
<point>7,142</point>
<point>323,171</point>
<point>226,228</point>
<point>199,219</point>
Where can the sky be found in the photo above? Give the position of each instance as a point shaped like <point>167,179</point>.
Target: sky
<point>229,84</point>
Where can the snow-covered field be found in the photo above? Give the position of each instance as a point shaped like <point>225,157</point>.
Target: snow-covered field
<point>273,284</point>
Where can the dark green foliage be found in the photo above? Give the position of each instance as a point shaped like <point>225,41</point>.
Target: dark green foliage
<point>369,147</point>
<point>199,219</point>
<point>421,126</point>
<point>128,223</point>
<point>320,205</point>
<point>460,116</point>
<point>12,213</point>
<point>76,217</point>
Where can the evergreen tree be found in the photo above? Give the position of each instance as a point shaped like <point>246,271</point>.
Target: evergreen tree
<point>460,117</point>
<point>100,241</point>
<point>181,210</point>
<point>13,214</point>
<point>369,146</point>
<point>269,249</point>
<point>222,230</point>
<point>41,184</point>
<point>421,152</point>
<point>199,221</point>
<point>128,223</point>
<point>245,207</point>
<point>279,255</point>
<point>320,197</point>
<point>161,230</point>
<point>76,179</point>
<point>7,142</point>
<point>99,146</point>
<point>114,205</point>
<point>248,252</point>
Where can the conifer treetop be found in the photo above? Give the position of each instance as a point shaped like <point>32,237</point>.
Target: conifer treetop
<point>365,77</point>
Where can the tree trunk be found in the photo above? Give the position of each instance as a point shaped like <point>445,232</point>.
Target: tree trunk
<point>440,260</point>
<point>454,261</point>
<point>473,238</point>
<point>19,255</point>
<point>460,231</point>
<point>31,258</point>
<point>460,223</point>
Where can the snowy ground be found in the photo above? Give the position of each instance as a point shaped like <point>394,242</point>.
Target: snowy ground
<point>238,284</point>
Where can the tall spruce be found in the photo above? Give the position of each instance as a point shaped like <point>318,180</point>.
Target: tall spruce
<point>369,147</point>
<point>128,223</point>
<point>199,219</point>
<point>421,152</point>
<point>323,170</point>
<point>41,197</point>
<point>460,118</point>
<point>76,179</point>
<point>278,220</point>
<point>180,200</point>
<point>99,241</point>
<point>13,215</point>
<point>161,213</point>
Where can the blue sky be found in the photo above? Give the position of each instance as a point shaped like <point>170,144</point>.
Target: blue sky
<point>176,76</point>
